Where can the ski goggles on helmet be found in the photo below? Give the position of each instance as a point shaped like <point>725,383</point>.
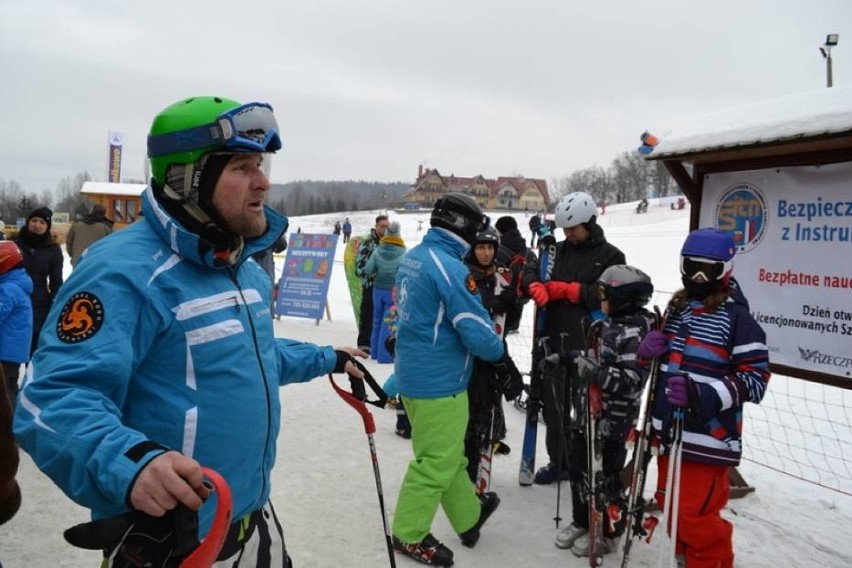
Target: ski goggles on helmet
<point>248,128</point>
<point>704,269</point>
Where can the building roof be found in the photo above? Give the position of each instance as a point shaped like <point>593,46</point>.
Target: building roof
<point>812,115</point>
<point>457,183</point>
<point>106,188</point>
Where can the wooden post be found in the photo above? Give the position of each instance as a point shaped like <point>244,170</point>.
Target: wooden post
<point>327,313</point>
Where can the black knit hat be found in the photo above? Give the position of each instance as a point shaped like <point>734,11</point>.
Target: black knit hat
<point>42,213</point>
<point>505,224</point>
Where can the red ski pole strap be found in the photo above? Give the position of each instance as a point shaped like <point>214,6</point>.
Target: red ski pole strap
<point>357,404</point>
<point>208,551</point>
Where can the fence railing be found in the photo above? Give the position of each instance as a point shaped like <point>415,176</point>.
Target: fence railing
<point>802,429</point>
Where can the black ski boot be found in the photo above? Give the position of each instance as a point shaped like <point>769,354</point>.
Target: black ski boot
<point>489,502</point>
<point>428,551</point>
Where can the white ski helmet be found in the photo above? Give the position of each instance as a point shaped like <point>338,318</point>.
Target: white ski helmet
<point>575,209</point>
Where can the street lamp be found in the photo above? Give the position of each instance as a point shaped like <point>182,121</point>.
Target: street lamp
<point>830,41</point>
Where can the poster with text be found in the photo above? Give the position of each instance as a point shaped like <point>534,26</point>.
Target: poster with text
<point>303,286</point>
<point>793,229</point>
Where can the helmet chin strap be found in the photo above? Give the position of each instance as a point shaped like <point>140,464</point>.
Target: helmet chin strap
<point>226,245</point>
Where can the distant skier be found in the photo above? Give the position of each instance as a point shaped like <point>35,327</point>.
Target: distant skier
<point>535,225</point>
<point>347,230</point>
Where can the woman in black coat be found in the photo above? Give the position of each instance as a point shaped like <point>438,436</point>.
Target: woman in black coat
<point>43,261</point>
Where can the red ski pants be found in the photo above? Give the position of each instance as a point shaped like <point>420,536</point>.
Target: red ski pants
<point>703,536</point>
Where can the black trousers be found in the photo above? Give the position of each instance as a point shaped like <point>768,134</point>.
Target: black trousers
<point>365,318</point>
<point>513,317</point>
<point>10,372</point>
<point>613,454</point>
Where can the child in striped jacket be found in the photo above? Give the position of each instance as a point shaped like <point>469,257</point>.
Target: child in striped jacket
<point>714,359</point>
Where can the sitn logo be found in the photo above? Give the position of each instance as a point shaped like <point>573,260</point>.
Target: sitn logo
<point>742,212</point>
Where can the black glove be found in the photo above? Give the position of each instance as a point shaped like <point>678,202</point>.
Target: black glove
<point>503,302</point>
<point>390,345</point>
<point>138,539</point>
<point>506,379</point>
<point>588,371</point>
<point>342,358</point>
<point>549,363</point>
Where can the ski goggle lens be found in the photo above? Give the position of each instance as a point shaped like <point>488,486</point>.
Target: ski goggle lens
<point>702,269</point>
<point>248,128</point>
<point>603,292</point>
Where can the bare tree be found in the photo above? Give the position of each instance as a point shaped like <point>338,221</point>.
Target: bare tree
<point>631,174</point>
<point>69,197</point>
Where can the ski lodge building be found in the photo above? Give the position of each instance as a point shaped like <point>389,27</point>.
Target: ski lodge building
<point>507,193</point>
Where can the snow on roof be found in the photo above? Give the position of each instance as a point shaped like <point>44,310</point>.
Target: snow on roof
<point>106,188</point>
<point>806,115</point>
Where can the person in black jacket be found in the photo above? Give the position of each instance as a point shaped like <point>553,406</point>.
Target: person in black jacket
<point>485,426</point>
<point>43,261</point>
<point>570,297</point>
<point>514,255</point>
<point>535,225</point>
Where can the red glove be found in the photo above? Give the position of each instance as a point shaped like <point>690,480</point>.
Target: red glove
<point>564,291</point>
<point>538,292</point>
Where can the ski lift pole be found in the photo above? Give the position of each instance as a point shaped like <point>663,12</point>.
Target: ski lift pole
<point>369,429</point>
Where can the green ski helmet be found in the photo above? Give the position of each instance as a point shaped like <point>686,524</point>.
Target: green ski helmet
<point>187,130</point>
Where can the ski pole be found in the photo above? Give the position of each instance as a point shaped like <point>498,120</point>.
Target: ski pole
<point>678,459</point>
<point>641,457</point>
<point>671,503</point>
<point>369,429</point>
<point>208,551</point>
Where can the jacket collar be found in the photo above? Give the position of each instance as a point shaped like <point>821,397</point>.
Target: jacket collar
<point>447,240</point>
<point>190,246</point>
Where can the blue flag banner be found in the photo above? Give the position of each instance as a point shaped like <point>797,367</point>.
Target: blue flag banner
<point>303,287</point>
<point>116,142</point>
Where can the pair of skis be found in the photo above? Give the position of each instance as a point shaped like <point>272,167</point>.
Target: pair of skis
<point>638,526</point>
<point>486,446</point>
<point>526,473</point>
<point>595,480</point>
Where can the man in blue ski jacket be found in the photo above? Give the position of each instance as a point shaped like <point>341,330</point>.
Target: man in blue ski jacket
<point>159,353</point>
<point>441,326</point>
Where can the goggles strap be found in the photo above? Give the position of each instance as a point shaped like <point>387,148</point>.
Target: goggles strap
<point>184,140</point>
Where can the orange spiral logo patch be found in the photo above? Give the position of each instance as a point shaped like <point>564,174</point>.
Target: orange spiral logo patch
<point>81,318</point>
<point>470,284</point>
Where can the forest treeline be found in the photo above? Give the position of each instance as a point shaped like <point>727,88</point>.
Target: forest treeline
<point>628,178</point>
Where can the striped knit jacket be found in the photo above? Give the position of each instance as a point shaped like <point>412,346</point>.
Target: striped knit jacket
<point>725,353</point>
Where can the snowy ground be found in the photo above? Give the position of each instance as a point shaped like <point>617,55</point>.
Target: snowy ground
<point>325,490</point>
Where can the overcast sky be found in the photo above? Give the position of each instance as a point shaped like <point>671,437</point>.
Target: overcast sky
<point>369,89</point>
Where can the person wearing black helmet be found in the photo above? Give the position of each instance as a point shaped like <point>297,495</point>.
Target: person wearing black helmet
<point>514,255</point>
<point>442,326</point>
<point>488,274</point>
<point>623,292</point>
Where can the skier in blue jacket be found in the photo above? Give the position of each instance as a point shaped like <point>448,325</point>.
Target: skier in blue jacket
<point>16,315</point>
<point>159,355</point>
<point>441,326</point>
